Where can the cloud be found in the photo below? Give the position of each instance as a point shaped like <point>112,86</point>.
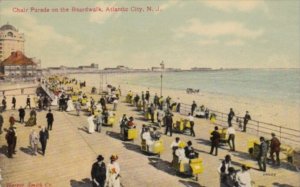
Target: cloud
<point>217,29</point>
<point>278,61</point>
<point>208,42</point>
<point>169,4</point>
<point>102,17</point>
<point>237,5</point>
<point>236,42</point>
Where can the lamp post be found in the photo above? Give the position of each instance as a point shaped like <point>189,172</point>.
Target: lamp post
<point>162,66</point>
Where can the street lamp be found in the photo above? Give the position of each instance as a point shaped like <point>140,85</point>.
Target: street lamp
<point>162,66</point>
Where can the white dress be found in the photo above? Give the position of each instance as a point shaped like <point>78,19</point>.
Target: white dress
<point>181,155</point>
<point>91,125</point>
<point>55,101</point>
<point>147,137</point>
<point>70,106</point>
<point>112,171</point>
<point>244,179</point>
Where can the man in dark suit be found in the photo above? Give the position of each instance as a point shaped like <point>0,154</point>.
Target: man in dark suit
<point>13,102</point>
<point>98,172</point>
<point>44,136</point>
<point>10,139</point>
<point>169,123</point>
<point>215,139</point>
<point>262,155</point>
<point>50,120</point>
<point>28,102</point>
<point>21,114</point>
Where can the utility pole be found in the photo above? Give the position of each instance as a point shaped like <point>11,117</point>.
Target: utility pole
<point>162,66</point>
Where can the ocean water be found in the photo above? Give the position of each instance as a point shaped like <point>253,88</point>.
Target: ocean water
<point>272,85</point>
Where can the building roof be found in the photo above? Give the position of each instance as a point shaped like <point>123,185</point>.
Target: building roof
<point>17,59</point>
<point>8,27</point>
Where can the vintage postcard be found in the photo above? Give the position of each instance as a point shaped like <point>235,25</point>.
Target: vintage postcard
<point>149,93</point>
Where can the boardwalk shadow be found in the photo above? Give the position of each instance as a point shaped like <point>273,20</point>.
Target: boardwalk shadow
<point>190,183</point>
<point>286,165</point>
<point>141,119</point>
<point>83,183</point>
<point>26,150</point>
<point>114,135</point>
<point>162,165</point>
<point>200,151</point>
<point>276,184</point>
<point>84,129</point>
<point>246,156</point>
<point>242,155</point>
<point>204,141</point>
<point>132,147</point>
<point>3,150</point>
<point>72,114</point>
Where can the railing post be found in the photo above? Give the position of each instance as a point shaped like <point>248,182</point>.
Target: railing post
<point>257,128</point>
<point>280,133</point>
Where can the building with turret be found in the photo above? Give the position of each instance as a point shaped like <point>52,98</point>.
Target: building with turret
<point>11,40</point>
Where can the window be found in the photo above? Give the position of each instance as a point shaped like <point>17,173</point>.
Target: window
<point>10,34</point>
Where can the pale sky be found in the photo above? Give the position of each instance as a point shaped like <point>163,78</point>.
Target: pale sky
<point>184,34</point>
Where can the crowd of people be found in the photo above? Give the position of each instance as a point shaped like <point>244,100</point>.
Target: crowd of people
<point>109,174</point>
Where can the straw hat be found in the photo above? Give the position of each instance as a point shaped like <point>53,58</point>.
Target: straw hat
<point>114,157</point>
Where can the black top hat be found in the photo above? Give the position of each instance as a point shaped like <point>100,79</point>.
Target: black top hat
<point>100,158</point>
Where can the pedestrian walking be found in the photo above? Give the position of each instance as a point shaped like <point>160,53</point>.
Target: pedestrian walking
<point>215,139</point>
<point>50,120</point>
<point>12,120</point>
<point>169,123</point>
<point>13,102</point>
<point>21,114</point>
<point>113,172</point>
<point>33,141</point>
<point>224,168</point>
<point>115,104</point>
<point>151,111</point>
<point>28,102</point>
<point>98,173</point>
<point>230,116</point>
<point>193,107</point>
<point>243,177</point>
<point>192,123</point>
<point>4,103</point>
<point>99,122</point>
<point>231,137</point>
<point>275,148</point>
<point>10,139</point>
<point>44,136</point>
<point>1,122</point>
<point>246,119</point>
<point>262,155</point>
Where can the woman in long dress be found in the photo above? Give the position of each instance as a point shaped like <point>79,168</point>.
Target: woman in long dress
<point>91,124</point>
<point>34,140</point>
<point>113,172</point>
<point>70,106</point>
<point>55,101</point>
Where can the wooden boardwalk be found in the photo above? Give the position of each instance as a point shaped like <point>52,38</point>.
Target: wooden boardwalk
<point>71,151</point>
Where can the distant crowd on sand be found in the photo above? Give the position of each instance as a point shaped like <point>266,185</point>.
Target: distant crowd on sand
<point>69,96</point>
